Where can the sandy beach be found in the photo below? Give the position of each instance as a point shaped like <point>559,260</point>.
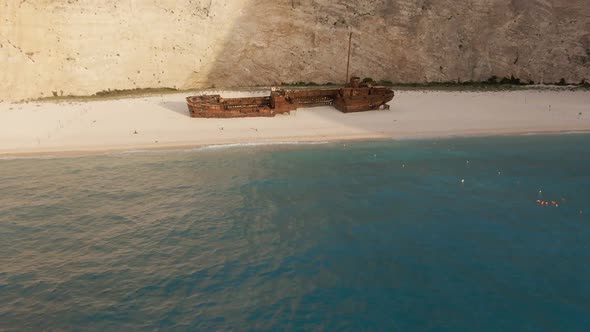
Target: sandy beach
<point>160,122</point>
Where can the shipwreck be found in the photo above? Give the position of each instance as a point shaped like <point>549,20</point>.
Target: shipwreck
<point>353,97</point>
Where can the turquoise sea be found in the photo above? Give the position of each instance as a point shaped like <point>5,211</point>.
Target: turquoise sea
<point>431,235</point>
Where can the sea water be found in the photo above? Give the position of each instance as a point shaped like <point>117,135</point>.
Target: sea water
<point>478,234</point>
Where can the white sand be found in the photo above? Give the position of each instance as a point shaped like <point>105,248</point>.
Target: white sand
<point>163,121</point>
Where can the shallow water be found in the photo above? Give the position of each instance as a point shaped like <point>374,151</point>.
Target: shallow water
<point>358,236</point>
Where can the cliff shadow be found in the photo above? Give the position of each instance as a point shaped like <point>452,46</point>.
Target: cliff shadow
<point>259,47</point>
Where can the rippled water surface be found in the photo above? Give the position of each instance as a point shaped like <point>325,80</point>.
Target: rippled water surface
<point>380,236</point>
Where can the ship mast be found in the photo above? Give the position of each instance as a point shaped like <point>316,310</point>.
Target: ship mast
<point>348,62</point>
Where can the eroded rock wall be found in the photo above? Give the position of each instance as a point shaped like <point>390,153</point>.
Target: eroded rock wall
<point>80,47</point>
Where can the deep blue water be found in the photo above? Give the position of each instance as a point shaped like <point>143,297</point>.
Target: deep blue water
<point>376,236</point>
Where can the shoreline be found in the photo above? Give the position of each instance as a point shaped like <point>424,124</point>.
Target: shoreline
<point>312,141</point>
<point>161,122</point>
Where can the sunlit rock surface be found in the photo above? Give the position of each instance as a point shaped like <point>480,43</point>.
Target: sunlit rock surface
<point>80,47</point>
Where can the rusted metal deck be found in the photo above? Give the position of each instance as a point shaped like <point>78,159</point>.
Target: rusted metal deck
<point>354,97</point>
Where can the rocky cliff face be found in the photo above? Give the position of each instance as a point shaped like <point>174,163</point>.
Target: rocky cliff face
<point>84,46</point>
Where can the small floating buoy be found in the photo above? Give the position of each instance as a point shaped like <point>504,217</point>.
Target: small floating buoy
<point>462,180</point>
<point>404,166</point>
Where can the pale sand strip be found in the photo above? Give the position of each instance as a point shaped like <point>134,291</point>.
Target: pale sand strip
<point>163,121</point>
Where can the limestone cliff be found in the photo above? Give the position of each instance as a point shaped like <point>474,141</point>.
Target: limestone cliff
<point>83,46</point>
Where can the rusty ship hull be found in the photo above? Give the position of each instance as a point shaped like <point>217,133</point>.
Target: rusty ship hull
<point>351,100</point>
<point>214,106</point>
<point>354,97</point>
